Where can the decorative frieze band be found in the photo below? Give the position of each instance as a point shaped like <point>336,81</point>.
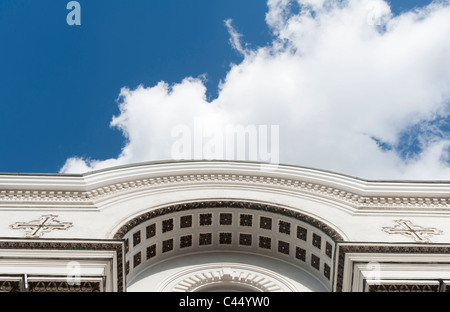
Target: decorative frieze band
<point>63,286</point>
<point>49,286</point>
<point>301,186</point>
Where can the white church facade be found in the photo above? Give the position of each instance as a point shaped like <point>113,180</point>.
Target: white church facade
<point>192,226</point>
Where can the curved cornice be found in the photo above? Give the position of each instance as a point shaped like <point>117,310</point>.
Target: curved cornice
<point>94,187</point>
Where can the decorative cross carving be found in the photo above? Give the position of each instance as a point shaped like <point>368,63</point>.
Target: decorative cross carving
<point>418,233</point>
<point>37,228</point>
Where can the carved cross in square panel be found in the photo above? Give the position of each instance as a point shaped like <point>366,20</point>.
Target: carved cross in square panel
<point>37,228</point>
<point>418,233</point>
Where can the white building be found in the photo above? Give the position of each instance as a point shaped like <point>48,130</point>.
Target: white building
<point>222,226</point>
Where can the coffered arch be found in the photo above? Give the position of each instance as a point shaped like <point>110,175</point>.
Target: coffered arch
<point>240,227</point>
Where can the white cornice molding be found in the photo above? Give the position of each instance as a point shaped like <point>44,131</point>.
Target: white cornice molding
<point>94,187</point>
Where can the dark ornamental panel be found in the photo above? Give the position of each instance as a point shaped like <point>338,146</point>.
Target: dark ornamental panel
<point>283,247</point>
<point>10,286</point>
<point>246,220</point>
<point>186,241</point>
<point>403,288</point>
<point>63,286</point>
<point>316,241</point>
<point>185,222</point>
<point>315,262</point>
<point>245,239</point>
<point>225,238</point>
<point>265,223</point>
<point>167,225</point>
<point>300,254</point>
<point>136,238</point>
<point>284,227</point>
<point>151,230</point>
<point>137,259</point>
<point>151,251</point>
<point>226,218</point>
<point>265,242</point>
<point>301,233</point>
<point>205,239</point>
<point>328,249</point>
<point>205,219</point>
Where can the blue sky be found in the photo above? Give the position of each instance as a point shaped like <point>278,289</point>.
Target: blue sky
<point>59,83</point>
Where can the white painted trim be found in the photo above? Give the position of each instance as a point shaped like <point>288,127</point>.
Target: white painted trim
<point>358,194</point>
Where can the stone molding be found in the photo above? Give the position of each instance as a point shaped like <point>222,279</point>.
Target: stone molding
<point>402,196</point>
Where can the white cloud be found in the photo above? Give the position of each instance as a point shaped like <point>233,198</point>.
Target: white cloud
<point>337,75</point>
<point>235,38</point>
